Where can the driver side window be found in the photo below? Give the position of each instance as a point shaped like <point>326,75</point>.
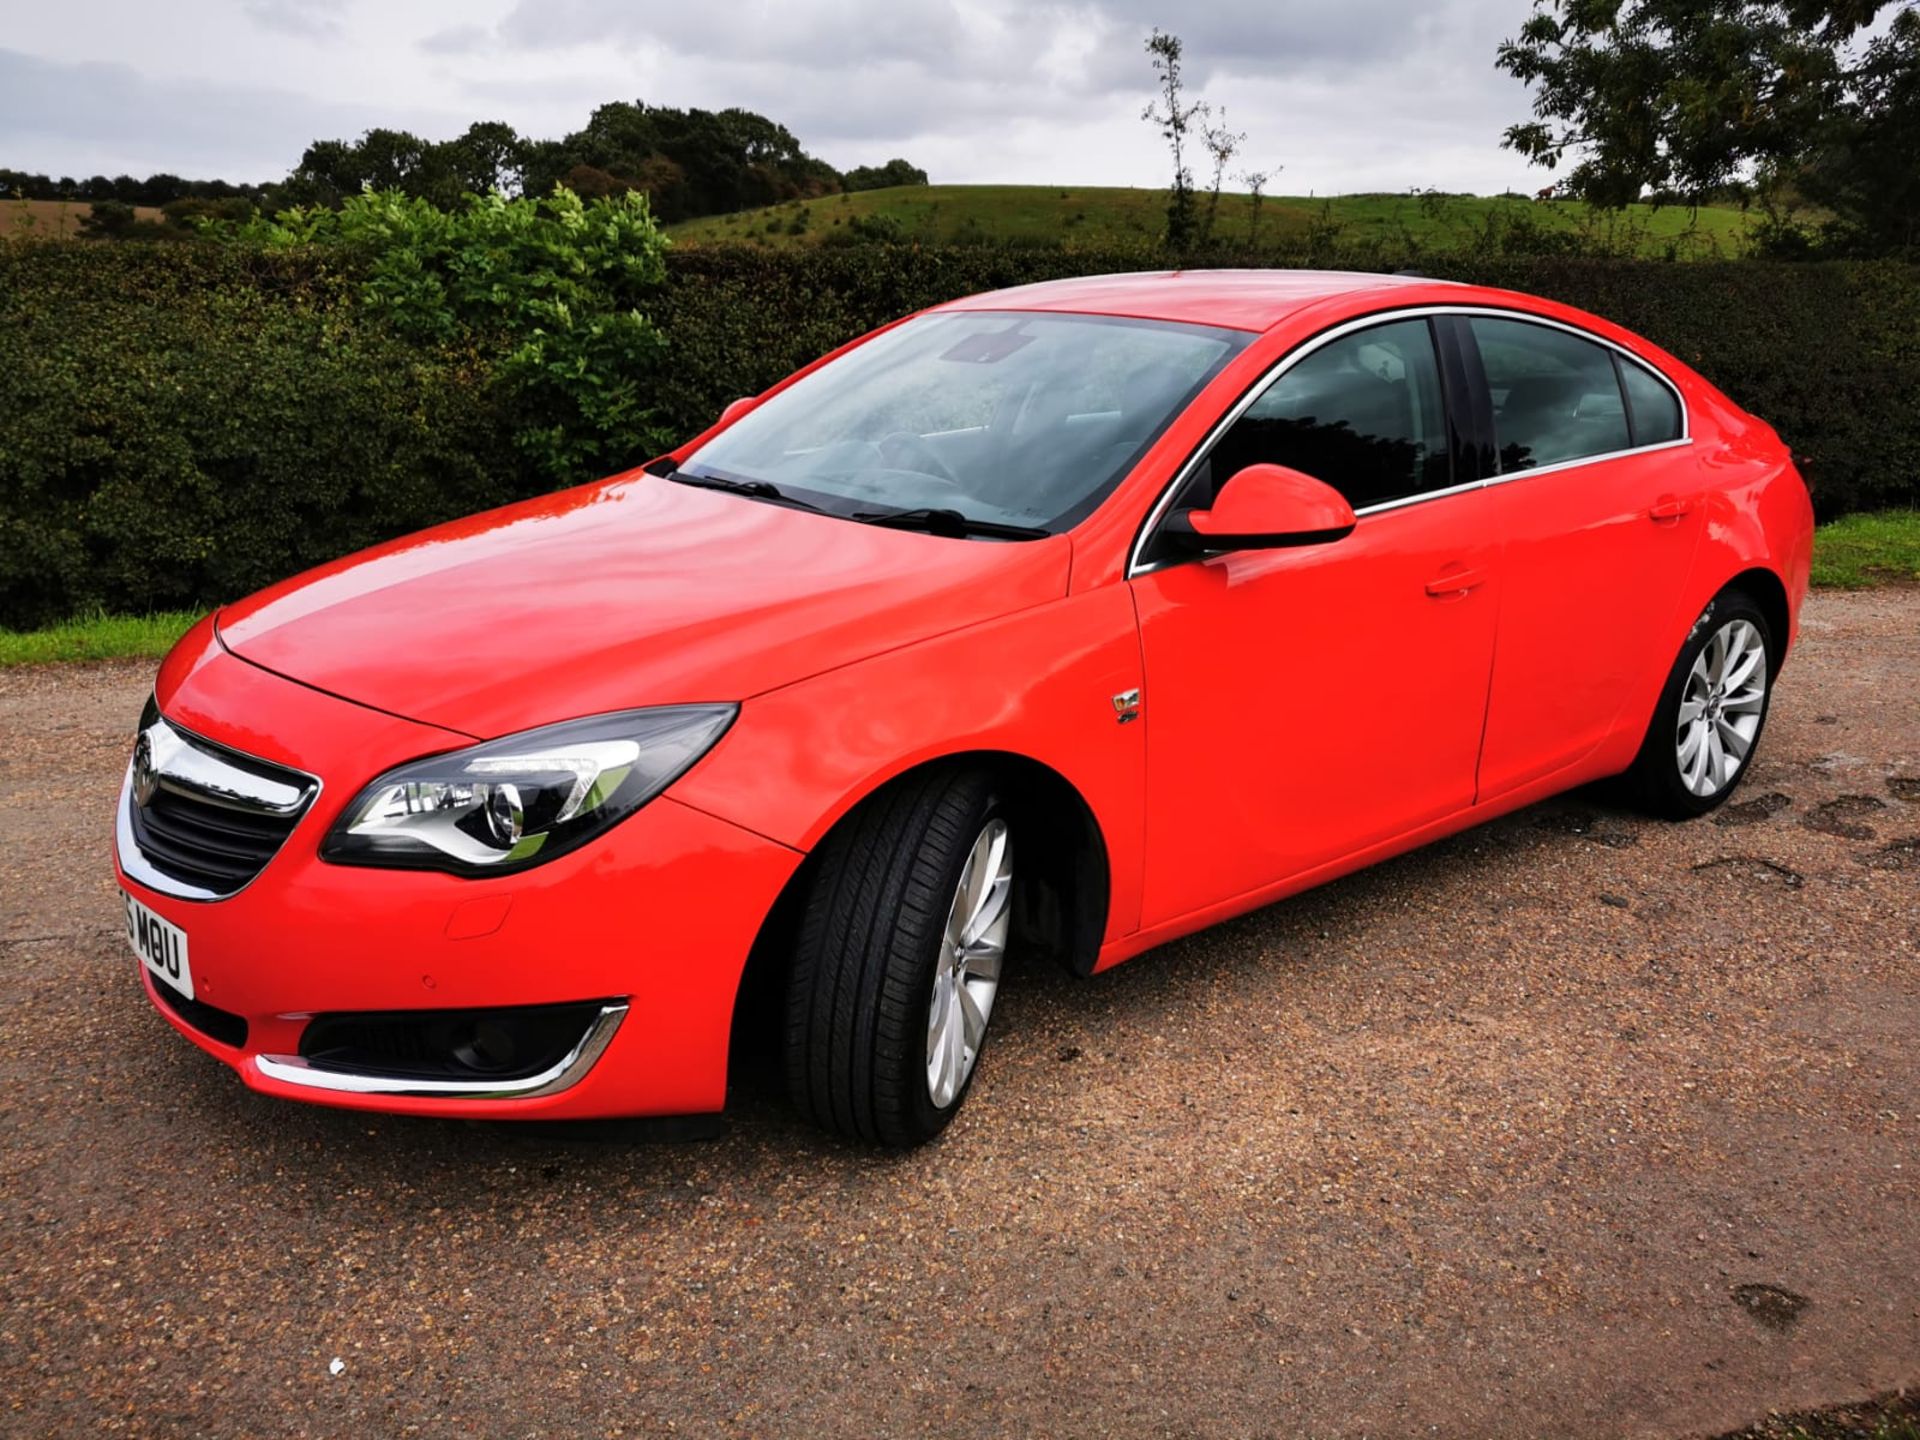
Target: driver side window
<point>1363,413</point>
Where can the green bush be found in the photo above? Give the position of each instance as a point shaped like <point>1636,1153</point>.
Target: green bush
<point>180,424</point>
<point>548,290</point>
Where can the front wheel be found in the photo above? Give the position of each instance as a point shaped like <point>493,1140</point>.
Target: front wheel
<point>899,958</point>
<point>1710,714</point>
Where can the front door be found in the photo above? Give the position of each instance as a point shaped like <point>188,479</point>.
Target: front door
<point>1303,704</point>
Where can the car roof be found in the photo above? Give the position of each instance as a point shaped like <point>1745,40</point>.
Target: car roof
<point>1239,299</point>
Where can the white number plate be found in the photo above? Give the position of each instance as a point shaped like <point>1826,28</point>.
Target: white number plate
<point>161,946</point>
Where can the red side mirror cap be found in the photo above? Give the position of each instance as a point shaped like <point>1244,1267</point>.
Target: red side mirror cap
<point>1266,507</point>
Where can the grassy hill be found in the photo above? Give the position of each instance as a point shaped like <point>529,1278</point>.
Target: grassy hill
<point>1048,214</point>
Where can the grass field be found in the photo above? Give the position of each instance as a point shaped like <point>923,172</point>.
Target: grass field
<point>1035,214</point>
<point>97,637</point>
<point>1859,550</point>
<point>59,219</point>
<point>1848,554</point>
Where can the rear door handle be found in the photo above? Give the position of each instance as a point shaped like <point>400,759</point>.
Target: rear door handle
<point>1454,581</point>
<point>1669,507</point>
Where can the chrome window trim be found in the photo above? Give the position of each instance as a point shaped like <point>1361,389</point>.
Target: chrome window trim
<point>191,764</point>
<point>1157,511</point>
<point>565,1072</point>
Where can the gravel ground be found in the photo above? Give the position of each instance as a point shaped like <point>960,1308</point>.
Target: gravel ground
<point>1573,1125</point>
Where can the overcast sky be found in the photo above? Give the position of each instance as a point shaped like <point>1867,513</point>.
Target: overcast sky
<point>1347,95</point>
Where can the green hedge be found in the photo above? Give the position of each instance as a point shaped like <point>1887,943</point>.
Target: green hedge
<point>181,424</point>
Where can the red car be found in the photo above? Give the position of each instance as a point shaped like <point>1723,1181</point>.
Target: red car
<point>1053,622</point>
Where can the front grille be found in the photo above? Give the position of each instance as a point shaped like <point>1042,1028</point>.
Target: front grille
<point>204,843</point>
<point>200,820</point>
<point>222,1025</point>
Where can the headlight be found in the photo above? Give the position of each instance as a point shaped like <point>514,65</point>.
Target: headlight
<point>522,800</point>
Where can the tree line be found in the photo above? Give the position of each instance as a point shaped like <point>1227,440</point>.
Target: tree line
<point>688,163</point>
<point>159,189</point>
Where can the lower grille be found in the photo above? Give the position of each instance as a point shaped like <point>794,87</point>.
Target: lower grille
<point>209,1020</point>
<point>498,1045</point>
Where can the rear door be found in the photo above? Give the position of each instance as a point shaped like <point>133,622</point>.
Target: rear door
<point>1597,500</point>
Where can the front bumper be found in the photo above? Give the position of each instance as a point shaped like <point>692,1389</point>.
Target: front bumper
<point>657,916</point>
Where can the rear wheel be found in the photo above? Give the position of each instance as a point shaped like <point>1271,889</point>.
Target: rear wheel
<point>1711,712</point>
<point>899,959</point>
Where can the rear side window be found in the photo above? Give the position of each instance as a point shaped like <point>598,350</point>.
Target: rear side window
<point>1556,397</point>
<point>1363,413</point>
<point>1651,403</point>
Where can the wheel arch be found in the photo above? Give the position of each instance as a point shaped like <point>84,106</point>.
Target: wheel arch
<point>1060,908</point>
<point>1769,592</point>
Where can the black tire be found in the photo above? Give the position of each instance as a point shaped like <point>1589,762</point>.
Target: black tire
<point>1654,782</point>
<point>863,966</point>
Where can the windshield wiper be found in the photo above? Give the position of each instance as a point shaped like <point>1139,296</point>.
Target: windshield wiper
<point>757,489</point>
<point>949,523</point>
<point>934,521</point>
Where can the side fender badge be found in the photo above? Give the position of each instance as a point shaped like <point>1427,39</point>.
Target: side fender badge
<point>1126,705</point>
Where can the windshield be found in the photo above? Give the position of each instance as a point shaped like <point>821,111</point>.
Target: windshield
<point>1018,419</point>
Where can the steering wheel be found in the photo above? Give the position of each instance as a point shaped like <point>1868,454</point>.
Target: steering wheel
<point>905,450</point>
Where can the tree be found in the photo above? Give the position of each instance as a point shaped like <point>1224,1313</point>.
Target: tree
<point>107,220</point>
<point>1256,183</point>
<point>689,162</point>
<point>332,170</point>
<point>880,177</point>
<point>1175,118</point>
<point>490,156</point>
<point>1222,144</point>
<point>1865,166</point>
<point>1681,97</point>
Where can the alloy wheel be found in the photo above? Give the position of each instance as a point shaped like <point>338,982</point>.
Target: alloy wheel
<point>966,974</point>
<point>1721,707</point>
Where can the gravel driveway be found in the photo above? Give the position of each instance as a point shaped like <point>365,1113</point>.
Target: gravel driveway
<point>1575,1124</point>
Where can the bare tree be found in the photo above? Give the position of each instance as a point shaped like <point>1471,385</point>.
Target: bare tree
<point>1256,183</point>
<point>1222,144</point>
<point>1176,119</point>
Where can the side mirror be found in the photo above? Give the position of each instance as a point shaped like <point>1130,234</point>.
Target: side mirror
<point>1264,507</point>
<point>738,408</point>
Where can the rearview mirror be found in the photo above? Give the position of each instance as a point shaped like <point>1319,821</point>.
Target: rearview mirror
<point>1264,507</point>
<point>738,408</point>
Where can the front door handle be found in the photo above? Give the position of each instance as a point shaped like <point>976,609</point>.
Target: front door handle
<point>1455,581</point>
<point>1668,507</point>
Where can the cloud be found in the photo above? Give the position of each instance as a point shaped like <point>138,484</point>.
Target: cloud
<point>982,41</point>
<point>468,39</point>
<point>1363,94</point>
<point>89,118</point>
<point>836,33</point>
<point>314,19</point>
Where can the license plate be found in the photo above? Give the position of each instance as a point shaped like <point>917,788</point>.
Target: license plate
<point>161,946</point>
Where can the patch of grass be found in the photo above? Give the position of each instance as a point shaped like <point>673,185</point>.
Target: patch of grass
<point>97,637</point>
<point>1860,550</point>
<point>1095,215</point>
